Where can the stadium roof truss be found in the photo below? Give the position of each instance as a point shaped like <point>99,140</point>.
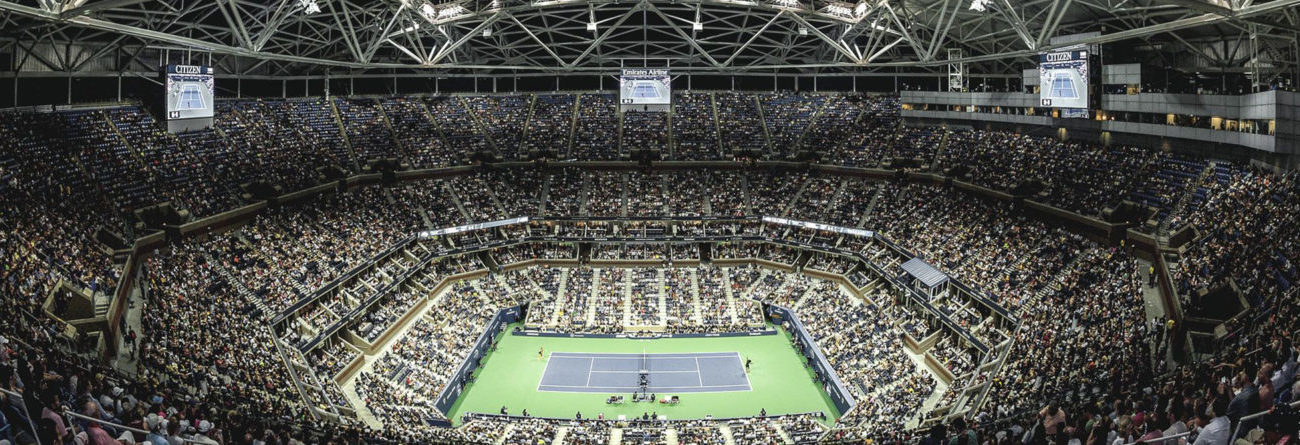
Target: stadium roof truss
<point>313,37</point>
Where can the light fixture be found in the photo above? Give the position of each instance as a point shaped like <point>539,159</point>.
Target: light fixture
<point>980,5</point>
<point>803,31</point>
<point>838,10</point>
<point>591,26</point>
<point>487,32</point>
<point>697,26</point>
<point>309,6</point>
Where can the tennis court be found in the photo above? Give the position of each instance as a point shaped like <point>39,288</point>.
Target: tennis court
<point>666,373</point>
<point>190,98</point>
<point>777,380</point>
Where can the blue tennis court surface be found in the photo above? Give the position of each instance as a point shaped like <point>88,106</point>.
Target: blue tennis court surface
<point>620,373</point>
<point>645,90</point>
<point>190,98</point>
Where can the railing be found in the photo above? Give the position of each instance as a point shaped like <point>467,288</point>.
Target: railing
<point>115,426</point>
<point>70,415</point>
<point>23,406</point>
<point>1235,432</point>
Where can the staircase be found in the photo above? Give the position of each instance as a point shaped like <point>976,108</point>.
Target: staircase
<point>871,206</point>
<point>664,187</point>
<point>786,283</point>
<point>750,290</point>
<point>343,134</point>
<point>799,303</point>
<point>663,299</point>
<point>593,297</point>
<point>102,301</point>
<point>239,287</point>
<point>672,146</point>
<point>545,195</point>
<point>1054,283</point>
<point>780,432</point>
<point>478,124</point>
<point>812,122</point>
<point>505,433</point>
<point>767,135</point>
<point>838,196</point>
<point>621,149</point>
<point>623,179</point>
<point>437,128</point>
<point>446,190</point>
<point>627,298</point>
<point>573,125</point>
<point>585,193</point>
<point>388,123</point>
<point>707,203</point>
<point>745,195</point>
<point>532,108</point>
<point>938,153</point>
<point>670,436</point>
<point>492,196</point>
<point>561,297</point>
<point>1186,196</point>
<point>731,298</point>
<point>695,296</point>
<point>717,126</point>
<point>418,207</point>
<point>798,194</point>
<point>727,435</point>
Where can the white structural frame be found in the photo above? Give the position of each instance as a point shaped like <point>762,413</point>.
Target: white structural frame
<point>509,37</point>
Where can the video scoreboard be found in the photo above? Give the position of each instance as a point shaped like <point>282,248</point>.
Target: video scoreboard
<point>645,86</point>
<point>1063,81</point>
<point>189,91</point>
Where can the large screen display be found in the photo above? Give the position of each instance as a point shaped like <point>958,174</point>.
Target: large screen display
<point>1063,79</point>
<point>645,86</point>
<point>189,91</point>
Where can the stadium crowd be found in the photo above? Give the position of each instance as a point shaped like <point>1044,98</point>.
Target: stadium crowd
<point>206,354</point>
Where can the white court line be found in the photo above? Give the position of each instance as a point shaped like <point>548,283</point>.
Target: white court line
<point>621,389</point>
<point>638,372</point>
<point>658,388</point>
<point>544,370</point>
<point>638,355</point>
<point>591,356</point>
<point>682,357</point>
<point>740,361</point>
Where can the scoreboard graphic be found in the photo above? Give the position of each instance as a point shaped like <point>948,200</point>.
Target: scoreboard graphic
<point>1063,79</point>
<point>189,90</point>
<point>645,86</point>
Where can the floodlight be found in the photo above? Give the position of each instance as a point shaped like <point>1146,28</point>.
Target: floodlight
<point>309,6</point>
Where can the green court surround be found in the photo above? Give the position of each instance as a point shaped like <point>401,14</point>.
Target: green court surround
<point>781,383</point>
